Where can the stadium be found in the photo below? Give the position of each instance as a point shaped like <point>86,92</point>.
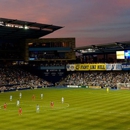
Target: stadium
<point>50,84</point>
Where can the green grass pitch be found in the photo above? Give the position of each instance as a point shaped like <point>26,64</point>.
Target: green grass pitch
<point>83,109</point>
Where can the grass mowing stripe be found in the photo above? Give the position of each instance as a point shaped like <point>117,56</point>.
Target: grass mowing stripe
<point>84,109</point>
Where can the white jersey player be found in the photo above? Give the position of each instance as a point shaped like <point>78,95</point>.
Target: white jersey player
<point>62,99</point>
<point>41,95</point>
<point>11,98</point>
<point>18,102</point>
<point>20,95</point>
<point>37,108</point>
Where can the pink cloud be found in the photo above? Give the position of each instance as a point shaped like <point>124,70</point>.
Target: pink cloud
<point>82,19</point>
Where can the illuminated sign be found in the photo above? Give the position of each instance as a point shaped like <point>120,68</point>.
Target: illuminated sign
<point>85,67</point>
<point>120,55</point>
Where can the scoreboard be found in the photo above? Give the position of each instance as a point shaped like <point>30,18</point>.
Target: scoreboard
<point>50,49</point>
<point>52,73</point>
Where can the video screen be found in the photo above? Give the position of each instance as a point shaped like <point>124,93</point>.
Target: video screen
<point>120,55</point>
<point>127,54</point>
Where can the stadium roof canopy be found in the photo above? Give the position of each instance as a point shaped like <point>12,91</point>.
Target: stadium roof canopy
<point>12,29</point>
<point>104,48</point>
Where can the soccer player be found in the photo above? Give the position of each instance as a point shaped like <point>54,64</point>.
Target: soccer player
<point>11,98</point>
<point>107,89</point>
<point>33,97</point>
<point>5,106</point>
<point>37,108</point>
<point>20,95</point>
<point>18,102</point>
<point>41,95</point>
<point>20,111</point>
<point>52,104</point>
<point>62,99</point>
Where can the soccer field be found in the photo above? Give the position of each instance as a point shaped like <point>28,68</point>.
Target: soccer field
<point>83,109</point>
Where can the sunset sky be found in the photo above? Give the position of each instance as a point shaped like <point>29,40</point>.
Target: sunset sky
<point>89,21</point>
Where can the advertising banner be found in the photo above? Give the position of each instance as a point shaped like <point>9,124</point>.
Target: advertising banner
<point>125,66</point>
<point>72,86</point>
<point>95,87</point>
<point>86,67</point>
<point>97,67</point>
<point>81,67</point>
<point>116,66</point>
<point>70,67</point>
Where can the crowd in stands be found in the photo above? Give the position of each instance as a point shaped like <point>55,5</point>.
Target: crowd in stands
<point>103,79</point>
<point>98,59</point>
<point>13,78</point>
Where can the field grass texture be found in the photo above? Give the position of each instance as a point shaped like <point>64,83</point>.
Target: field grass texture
<point>83,109</point>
